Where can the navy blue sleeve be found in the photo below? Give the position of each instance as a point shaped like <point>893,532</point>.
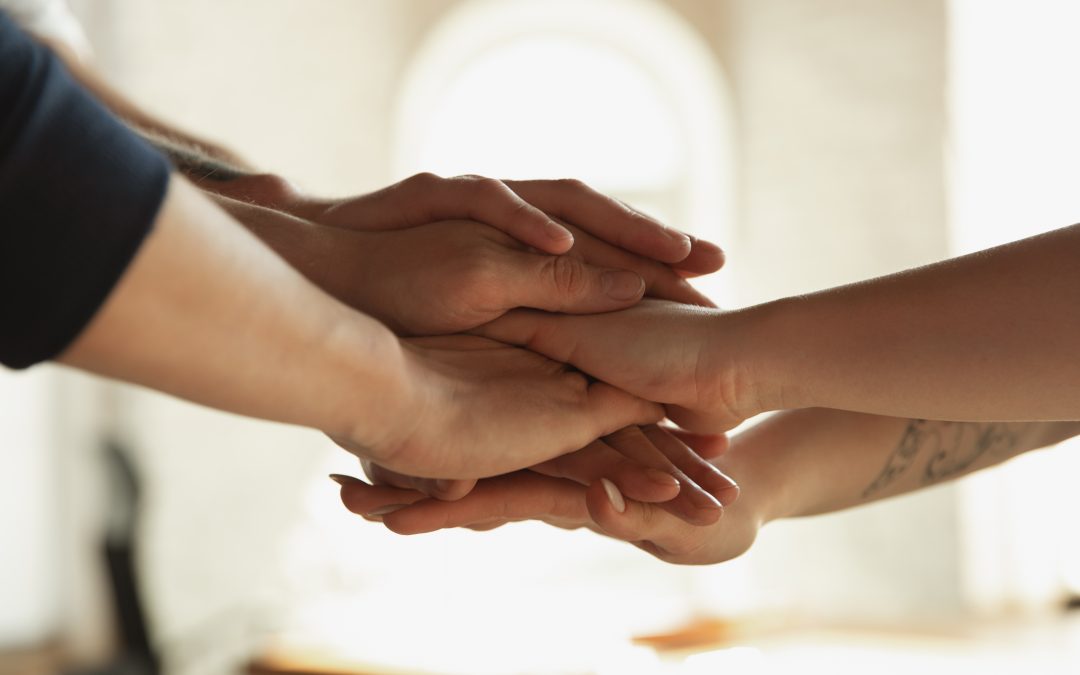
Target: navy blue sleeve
<point>78,194</point>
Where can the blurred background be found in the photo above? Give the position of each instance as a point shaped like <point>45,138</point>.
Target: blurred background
<point>820,142</point>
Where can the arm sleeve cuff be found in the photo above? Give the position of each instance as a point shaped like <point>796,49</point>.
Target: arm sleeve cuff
<point>78,194</point>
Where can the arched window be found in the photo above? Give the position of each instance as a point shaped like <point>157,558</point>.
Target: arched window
<point>625,96</point>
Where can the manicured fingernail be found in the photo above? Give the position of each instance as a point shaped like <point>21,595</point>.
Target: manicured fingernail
<point>613,495</point>
<point>343,480</point>
<point>661,477</point>
<point>383,510</point>
<point>622,285</point>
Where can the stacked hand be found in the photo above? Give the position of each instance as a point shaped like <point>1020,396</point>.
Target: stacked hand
<point>618,509</point>
<point>382,254</point>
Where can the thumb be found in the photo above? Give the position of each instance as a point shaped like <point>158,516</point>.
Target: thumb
<point>566,284</point>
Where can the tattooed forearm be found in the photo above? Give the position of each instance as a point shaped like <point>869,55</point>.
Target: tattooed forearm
<point>968,443</point>
<point>901,458</point>
<point>953,448</point>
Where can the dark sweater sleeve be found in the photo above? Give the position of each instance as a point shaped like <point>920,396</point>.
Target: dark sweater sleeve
<point>78,194</point>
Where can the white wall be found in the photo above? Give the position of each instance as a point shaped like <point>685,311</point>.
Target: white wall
<point>840,118</point>
<point>29,538</point>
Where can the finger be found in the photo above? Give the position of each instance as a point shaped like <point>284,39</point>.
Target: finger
<point>639,523</point>
<point>608,409</point>
<point>695,504</point>
<point>568,284</point>
<point>517,496</point>
<point>439,488</point>
<point>703,473</point>
<point>489,201</point>
<point>707,446</point>
<point>645,482</point>
<point>699,422</point>
<point>705,258</point>
<point>661,281</point>
<point>605,217</point>
<point>373,501</point>
<point>549,334</point>
<point>678,290</point>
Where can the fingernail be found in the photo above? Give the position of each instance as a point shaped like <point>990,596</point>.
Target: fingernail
<point>621,284</point>
<point>557,231</point>
<point>728,495</point>
<point>613,495</point>
<point>383,510</point>
<point>343,480</point>
<point>444,485</point>
<point>704,500</point>
<point>661,477</point>
<point>707,247</point>
<point>678,237</point>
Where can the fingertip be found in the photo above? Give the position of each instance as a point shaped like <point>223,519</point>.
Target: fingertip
<point>673,246</point>
<point>704,257</point>
<point>729,495</point>
<point>557,238</point>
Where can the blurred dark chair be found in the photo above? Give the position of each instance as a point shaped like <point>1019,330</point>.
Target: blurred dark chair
<point>135,655</point>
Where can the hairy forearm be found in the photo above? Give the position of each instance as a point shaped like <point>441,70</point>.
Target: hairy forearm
<point>820,460</point>
<point>990,336</point>
<point>208,313</point>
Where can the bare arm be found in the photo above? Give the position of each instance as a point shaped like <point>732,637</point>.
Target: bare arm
<point>208,313</point>
<point>989,336</point>
<point>797,463</point>
<point>820,460</point>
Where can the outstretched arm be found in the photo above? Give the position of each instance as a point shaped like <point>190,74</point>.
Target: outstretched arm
<point>796,463</point>
<point>209,313</point>
<point>989,336</point>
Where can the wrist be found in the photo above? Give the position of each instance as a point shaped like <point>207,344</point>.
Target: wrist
<point>378,395</point>
<point>744,360</point>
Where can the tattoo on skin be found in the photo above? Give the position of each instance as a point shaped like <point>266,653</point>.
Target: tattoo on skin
<point>953,448</point>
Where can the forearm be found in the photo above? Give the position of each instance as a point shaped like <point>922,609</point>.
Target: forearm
<point>208,313</point>
<point>819,460</point>
<point>990,336</point>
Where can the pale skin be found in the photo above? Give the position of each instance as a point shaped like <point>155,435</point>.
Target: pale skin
<point>452,276</point>
<point>374,250</point>
<point>890,345</point>
<point>796,463</point>
<point>208,313</point>
<point>986,337</point>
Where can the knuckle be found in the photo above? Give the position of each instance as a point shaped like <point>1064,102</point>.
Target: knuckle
<point>479,277</point>
<point>422,180</point>
<point>567,275</point>
<point>572,184</point>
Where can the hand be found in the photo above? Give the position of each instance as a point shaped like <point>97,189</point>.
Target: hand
<point>525,210</point>
<point>525,495</point>
<point>690,358</point>
<point>646,464</point>
<point>480,408</point>
<point>455,275</point>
